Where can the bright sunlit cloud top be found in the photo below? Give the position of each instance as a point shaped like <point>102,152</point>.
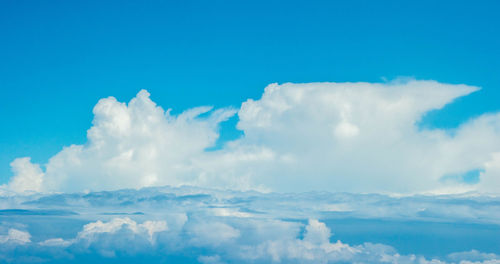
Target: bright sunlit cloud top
<point>357,137</point>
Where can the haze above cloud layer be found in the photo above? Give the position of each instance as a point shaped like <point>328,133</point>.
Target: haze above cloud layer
<point>357,137</point>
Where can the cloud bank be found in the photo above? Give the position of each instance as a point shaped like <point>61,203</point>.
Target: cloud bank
<point>199,225</point>
<point>358,137</point>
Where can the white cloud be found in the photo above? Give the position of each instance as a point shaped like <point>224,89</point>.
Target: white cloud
<point>474,256</point>
<point>15,236</point>
<point>490,177</point>
<point>315,247</point>
<point>230,213</point>
<point>27,176</point>
<point>253,227</point>
<point>118,233</point>
<point>55,242</point>
<point>135,145</point>
<point>317,232</point>
<point>212,233</point>
<point>147,229</point>
<point>359,137</point>
<point>362,136</point>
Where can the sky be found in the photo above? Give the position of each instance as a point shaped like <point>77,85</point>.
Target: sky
<point>58,59</point>
<point>250,132</point>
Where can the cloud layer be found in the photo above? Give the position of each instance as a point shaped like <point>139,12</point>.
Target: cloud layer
<point>360,137</point>
<point>195,225</point>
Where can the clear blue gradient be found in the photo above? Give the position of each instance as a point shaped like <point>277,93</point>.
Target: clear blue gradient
<point>58,58</point>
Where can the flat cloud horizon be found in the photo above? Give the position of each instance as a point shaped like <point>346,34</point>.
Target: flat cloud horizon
<point>199,225</point>
<point>355,137</point>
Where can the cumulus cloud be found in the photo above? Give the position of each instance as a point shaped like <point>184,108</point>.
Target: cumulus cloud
<point>15,236</point>
<point>314,247</point>
<point>122,235</point>
<point>360,137</point>
<point>27,176</point>
<point>364,136</point>
<point>147,229</point>
<point>135,145</point>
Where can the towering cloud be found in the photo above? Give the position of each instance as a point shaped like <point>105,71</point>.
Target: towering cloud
<point>333,136</point>
<point>135,145</point>
<point>365,137</point>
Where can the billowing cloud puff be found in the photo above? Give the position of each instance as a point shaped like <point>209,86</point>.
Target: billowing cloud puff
<point>135,145</point>
<point>106,238</point>
<point>147,229</point>
<point>27,176</point>
<point>15,236</point>
<point>364,136</point>
<point>315,247</point>
<point>315,136</point>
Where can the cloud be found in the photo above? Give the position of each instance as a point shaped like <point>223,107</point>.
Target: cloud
<point>474,256</point>
<point>362,136</point>
<point>358,137</point>
<point>212,233</point>
<point>27,176</point>
<point>55,242</point>
<point>314,247</point>
<point>147,229</point>
<point>15,236</point>
<point>490,177</point>
<point>122,235</point>
<point>135,145</point>
<point>188,225</point>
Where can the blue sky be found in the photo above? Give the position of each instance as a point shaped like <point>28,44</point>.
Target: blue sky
<point>250,131</point>
<point>58,59</point>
